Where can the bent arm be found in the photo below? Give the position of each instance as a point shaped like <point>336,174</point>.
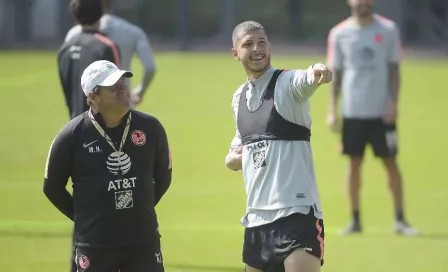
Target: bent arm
<point>57,173</point>
<point>335,60</point>
<point>394,65</point>
<point>163,166</point>
<point>146,56</point>
<point>233,159</point>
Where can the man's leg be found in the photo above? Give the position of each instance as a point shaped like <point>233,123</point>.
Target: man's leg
<point>143,258</point>
<point>385,146</point>
<point>96,259</point>
<point>257,248</point>
<point>251,269</point>
<point>354,139</point>
<point>299,243</point>
<point>354,189</point>
<point>301,261</point>
<point>73,267</point>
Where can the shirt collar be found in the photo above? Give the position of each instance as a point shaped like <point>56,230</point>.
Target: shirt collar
<point>92,31</point>
<point>99,118</point>
<point>264,79</point>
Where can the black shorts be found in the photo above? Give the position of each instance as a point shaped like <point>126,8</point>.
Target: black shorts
<point>120,259</point>
<point>357,133</point>
<point>267,246</point>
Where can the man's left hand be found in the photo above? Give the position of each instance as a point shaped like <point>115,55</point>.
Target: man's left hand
<point>321,74</point>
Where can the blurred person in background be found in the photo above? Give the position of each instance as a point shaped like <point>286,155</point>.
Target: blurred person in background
<point>130,39</point>
<point>284,229</point>
<point>86,47</point>
<point>364,54</point>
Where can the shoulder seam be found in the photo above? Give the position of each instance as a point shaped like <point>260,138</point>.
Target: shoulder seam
<point>111,45</point>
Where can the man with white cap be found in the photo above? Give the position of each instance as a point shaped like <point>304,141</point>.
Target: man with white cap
<point>120,165</point>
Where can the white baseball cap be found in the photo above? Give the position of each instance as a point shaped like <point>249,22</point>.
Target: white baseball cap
<point>101,73</point>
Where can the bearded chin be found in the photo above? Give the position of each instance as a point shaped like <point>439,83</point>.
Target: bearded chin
<point>258,69</point>
<point>366,13</point>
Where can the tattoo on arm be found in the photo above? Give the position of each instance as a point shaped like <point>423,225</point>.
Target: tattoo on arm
<point>394,81</point>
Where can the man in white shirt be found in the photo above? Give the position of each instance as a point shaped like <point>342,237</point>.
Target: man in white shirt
<point>364,54</point>
<point>130,39</point>
<point>283,220</point>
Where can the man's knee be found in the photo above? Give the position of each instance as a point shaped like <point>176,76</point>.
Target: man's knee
<point>301,261</point>
<point>390,163</point>
<point>355,161</point>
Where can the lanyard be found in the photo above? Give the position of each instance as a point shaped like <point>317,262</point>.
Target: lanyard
<point>107,138</point>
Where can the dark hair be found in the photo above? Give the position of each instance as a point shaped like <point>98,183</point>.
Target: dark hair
<point>95,91</point>
<point>245,27</point>
<point>86,12</point>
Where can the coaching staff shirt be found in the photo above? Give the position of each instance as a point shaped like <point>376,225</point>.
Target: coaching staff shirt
<point>74,56</point>
<point>114,192</point>
<point>279,175</point>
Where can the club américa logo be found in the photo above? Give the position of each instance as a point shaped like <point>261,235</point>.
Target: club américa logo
<point>138,137</point>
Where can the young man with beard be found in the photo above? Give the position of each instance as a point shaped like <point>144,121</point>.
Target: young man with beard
<point>283,220</point>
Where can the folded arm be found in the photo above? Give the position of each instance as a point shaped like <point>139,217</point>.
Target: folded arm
<point>234,157</point>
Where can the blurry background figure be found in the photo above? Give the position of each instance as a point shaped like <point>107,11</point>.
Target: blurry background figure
<point>364,52</point>
<point>79,52</point>
<point>131,39</point>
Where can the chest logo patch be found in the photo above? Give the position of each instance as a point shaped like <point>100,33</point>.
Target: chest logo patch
<point>119,163</point>
<point>138,137</point>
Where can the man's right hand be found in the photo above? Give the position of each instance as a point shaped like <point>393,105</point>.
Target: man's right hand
<point>332,122</point>
<point>234,160</point>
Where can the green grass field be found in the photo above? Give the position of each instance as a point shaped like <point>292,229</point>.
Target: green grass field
<point>200,214</point>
